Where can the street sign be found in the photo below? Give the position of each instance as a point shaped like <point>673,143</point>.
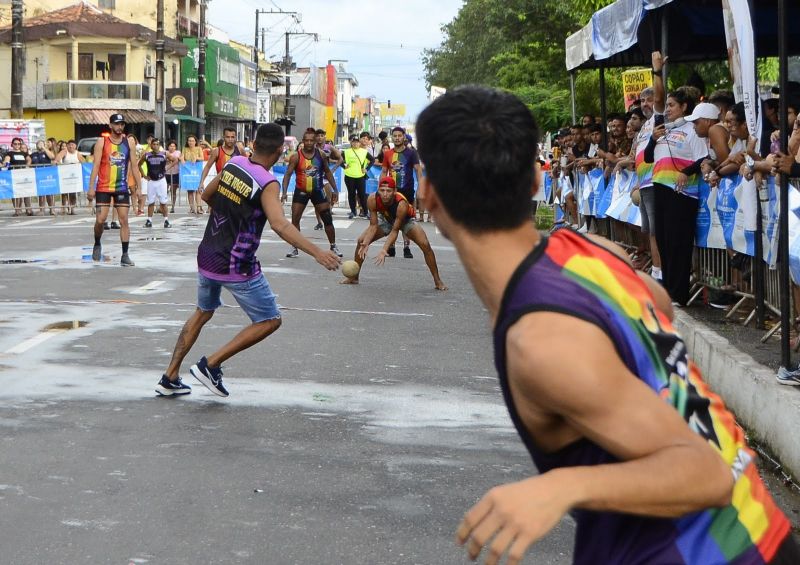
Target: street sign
<point>262,107</point>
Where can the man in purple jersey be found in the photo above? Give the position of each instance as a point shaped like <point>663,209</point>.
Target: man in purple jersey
<point>243,197</point>
<point>626,436</point>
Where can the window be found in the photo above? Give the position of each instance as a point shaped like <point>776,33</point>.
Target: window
<point>109,4</point>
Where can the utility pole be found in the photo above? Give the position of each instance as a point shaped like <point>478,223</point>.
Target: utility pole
<point>287,67</point>
<point>296,17</point>
<point>16,59</point>
<point>201,72</point>
<point>159,129</point>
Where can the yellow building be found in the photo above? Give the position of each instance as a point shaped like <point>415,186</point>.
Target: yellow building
<point>83,64</point>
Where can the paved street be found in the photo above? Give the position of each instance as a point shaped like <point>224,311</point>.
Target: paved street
<point>359,433</point>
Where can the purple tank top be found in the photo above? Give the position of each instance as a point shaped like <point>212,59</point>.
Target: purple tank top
<point>233,233</point>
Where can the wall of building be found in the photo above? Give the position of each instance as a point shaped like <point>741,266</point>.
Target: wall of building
<point>57,123</point>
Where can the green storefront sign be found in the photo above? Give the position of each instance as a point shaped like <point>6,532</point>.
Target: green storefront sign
<point>222,76</point>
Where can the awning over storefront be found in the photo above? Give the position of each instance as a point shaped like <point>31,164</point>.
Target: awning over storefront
<point>183,118</point>
<point>101,117</point>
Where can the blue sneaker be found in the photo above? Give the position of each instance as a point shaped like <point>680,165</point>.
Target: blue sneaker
<point>211,377</point>
<point>166,387</point>
<point>788,376</point>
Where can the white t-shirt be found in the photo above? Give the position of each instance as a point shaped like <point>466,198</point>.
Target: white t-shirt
<point>679,148</point>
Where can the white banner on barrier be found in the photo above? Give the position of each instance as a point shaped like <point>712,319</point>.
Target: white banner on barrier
<point>70,178</point>
<point>24,182</point>
<point>621,207</point>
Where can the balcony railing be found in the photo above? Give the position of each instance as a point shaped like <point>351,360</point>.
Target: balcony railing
<point>88,89</point>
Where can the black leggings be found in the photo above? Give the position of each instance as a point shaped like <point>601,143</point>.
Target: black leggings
<point>356,188</point>
<point>676,224</point>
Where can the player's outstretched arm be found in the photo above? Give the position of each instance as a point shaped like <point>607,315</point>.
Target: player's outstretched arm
<point>270,202</point>
<point>665,469</point>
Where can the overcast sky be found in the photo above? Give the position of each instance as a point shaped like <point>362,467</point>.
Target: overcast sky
<point>382,41</point>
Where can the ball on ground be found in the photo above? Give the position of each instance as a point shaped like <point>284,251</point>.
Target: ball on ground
<point>350,269</point>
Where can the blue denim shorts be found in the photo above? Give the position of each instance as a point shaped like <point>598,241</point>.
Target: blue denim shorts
<point>254,296</point>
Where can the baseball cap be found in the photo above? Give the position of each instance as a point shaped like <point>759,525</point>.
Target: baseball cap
<point>116,119</point>
<point>704,110</point>
<point>354,137</point>
<point>388,181</point>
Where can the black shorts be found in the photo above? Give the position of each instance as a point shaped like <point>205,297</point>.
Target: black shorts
<point>316,196</point>
<point>408,193</point>
<point>120,198</point>
<point>173,179</point>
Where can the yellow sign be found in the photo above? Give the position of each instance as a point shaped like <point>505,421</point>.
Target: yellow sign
<point>397,110</point>
<point>633,82</point>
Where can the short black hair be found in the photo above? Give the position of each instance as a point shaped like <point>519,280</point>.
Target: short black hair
<point>365,134</point>
<point>228,128</point>
<point>722,97</point>
<point>595,128</point>
<point>269,139</point>
<point>479,146</point>
<point>635,112</point>
<point>383,135</point>
<point>738,112</point>
<point>320,131</point>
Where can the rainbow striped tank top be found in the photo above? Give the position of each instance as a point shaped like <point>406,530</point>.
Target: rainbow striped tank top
<point>569,274</point>
<point>112,176</point>
<point>309,173</point>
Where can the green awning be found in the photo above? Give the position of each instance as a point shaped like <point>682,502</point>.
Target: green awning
<point>182,118</point>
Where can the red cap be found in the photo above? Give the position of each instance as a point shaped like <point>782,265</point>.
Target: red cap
<point>389,181</point>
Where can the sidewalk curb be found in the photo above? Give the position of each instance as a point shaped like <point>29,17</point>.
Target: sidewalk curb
<point>768,410</point>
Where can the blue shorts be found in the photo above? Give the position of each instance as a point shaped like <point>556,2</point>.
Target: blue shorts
<point>254,296</point>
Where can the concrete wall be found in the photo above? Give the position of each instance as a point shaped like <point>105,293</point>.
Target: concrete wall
<point>770,412</point>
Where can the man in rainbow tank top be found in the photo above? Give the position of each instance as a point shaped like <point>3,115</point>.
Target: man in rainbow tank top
<point>114,157</point>
<point>311,169</point>
<point>627,436</point>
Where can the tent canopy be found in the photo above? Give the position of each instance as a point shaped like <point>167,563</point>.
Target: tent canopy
<point>625,33</point>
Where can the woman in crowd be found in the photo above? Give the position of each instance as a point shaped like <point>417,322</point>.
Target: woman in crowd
<point>193,153</point>
<point>69,156</point>
<point>40,158</point>
<point>16,158</point>
<point>172,172</point>
<point>677,153</point>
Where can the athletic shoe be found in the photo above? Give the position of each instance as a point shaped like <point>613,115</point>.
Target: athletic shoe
<point>365,216</point>
<point>148,223</point>
<point>407,252</point>
<point>293,254</point>
<point>788,377</point>
<point>125,261</point>
<point>167,224</point>
<point>350,216</point>
<point>211,377</point>
<point>114,226</point>
<point>166,387</point>
<point>106,226</point>
<point>336,250</point>
<point>96,252</point>
<point>392,251</point>
<point>318,226</point>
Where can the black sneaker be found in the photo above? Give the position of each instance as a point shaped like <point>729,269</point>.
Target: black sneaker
<point>106,226</point>
<point>114,226</point>
<point>211,377</point>
<point>125,261</point>
<point>392,251</point>
<point>407,252</point>
<point>167,224</point>
<point>351,215</point>
<point>293,254</point>
<point>318,226</point>
<point>97,252</point>
<point>166,387</point>
<point>336,250</point>
<point>148,223</point>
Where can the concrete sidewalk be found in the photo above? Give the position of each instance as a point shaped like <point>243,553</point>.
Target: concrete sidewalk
<point>769,411</point>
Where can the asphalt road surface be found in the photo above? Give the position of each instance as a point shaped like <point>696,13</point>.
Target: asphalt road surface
<point>359,433</point>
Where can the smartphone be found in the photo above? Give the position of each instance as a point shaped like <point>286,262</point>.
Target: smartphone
<point>658,120</point>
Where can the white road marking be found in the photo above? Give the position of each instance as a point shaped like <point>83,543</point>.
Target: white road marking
<point>342,224</point>
<point>148,288</point>
<point>32,342</point>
